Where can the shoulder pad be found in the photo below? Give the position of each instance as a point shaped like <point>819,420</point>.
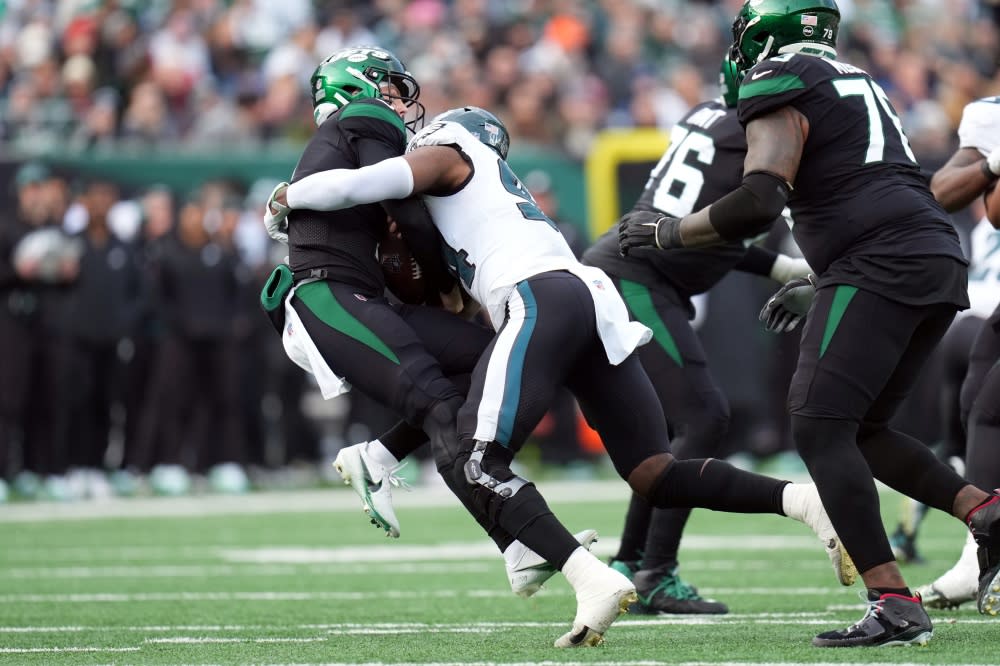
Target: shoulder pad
<point>373,108</point>
<point>774,76</point>
<point>445,133</point>
<point>980,126</point>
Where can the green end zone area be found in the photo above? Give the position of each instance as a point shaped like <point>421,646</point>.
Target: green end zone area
<point>302,578</point>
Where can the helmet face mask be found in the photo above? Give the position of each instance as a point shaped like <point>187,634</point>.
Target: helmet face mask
<point>363,73</point>
<point>481,124</point>
<point>765,28</point>
<point>730,77</point>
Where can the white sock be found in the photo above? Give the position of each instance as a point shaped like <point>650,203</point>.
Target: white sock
<point>379,454</point>
<point>581,567</point>
<point>793,499</point>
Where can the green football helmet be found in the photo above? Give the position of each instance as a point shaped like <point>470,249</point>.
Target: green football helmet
<point>765,28</point>
<point>730,77</point>
<point>481,124</point>
<point>359,73</point>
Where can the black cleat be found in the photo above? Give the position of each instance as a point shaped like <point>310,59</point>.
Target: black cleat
<point>984,521</point>
<point>663,591</point>
<point>891,619</point>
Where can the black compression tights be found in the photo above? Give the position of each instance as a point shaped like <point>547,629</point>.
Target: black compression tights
<point>842,462</point>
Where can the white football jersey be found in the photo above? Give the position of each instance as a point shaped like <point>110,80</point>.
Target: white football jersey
<point>496,237</point>
<point>980,126</point>
<point>495,232</point>
<point>980,130</point>
<point>984,270</point>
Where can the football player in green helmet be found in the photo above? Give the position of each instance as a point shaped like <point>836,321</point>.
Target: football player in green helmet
<point>766,28</point>
<point>363,73</point>
<point>890,276</point>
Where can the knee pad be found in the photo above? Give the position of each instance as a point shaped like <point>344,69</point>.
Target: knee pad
<point>492,472</point>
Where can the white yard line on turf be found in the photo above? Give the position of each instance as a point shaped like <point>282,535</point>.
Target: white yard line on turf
<point>308,501</point>
<point>122,597</point>
<point>10,650</point>
<point>255,570</point>
<point>605,663</point>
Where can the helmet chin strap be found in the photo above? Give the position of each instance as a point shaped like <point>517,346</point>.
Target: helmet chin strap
<point>766,51</point>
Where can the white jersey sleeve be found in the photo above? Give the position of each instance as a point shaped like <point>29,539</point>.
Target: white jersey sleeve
<point>980,126</point>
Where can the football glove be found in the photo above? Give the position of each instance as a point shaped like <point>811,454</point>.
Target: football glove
<point>276,216</point>
<point>645,228</point>
<point>789,305</point>
<point>993,161</point>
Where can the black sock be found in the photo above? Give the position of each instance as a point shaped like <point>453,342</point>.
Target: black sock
<point>901,591</point>
<point>665,529</point>
<point>528,518</point>
<point>402,439</point>
<point>713,484</point>
<point>637,525</point>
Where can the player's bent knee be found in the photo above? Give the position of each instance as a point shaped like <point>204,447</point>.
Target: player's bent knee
<point>486,467</point>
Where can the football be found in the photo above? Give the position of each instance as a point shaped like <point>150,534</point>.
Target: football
<point>403,275</point>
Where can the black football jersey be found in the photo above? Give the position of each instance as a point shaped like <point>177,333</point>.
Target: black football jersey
<point>858,199</point>
<point>345,241</point>
<point>703,163</point>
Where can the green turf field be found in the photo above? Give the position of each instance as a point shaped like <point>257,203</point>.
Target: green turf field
<point>302,578</point>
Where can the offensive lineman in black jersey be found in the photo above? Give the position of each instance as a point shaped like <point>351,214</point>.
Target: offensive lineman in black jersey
<point>823,136</point>
<point>704,162</point>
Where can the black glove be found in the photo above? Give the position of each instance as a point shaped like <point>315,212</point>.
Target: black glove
<point>646,228</point>
<point>789,305</point>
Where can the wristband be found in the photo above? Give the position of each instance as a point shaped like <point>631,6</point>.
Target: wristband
<point>673,233</point>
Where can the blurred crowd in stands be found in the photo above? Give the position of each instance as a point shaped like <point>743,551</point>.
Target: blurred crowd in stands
<point>76,74</point>
<point>133,352</point>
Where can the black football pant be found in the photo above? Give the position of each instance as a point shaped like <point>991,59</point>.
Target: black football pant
<point>859,357</point>
<point>981,406</point>
<point>400,356</point>
<point>696,409</point>
<point>550,338</point>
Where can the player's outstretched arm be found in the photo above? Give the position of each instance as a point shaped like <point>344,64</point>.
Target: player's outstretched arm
<point>426,169</point>
<point>775,143</point>
<point>963,178</point>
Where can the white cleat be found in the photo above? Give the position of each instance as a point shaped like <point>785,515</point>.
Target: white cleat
<point>373,482</point>
<point>957,585</point>
<point>801,501</point>
<point>527,570</point>
<point>606,595</point>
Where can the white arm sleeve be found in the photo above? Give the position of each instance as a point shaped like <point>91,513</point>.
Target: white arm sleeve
<point>343,188</point>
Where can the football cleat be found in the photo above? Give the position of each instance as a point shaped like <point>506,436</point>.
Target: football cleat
<point>527,570</point>
<point>802,502</point>
<point>606,595</point>
<point>373,482</point>
<point>663,591</point>
<point>891,619</point>
<point>984,522</point>
<point>956,585</point>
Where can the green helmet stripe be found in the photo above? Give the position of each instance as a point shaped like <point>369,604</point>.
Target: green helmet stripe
<point>374,111</point>
<point>775,86</point>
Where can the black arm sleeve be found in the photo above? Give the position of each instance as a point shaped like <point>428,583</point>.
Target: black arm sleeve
<point>757,261</point>
<point>750,208</point>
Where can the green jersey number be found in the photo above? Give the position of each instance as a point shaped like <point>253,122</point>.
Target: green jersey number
<point>874,97</point>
